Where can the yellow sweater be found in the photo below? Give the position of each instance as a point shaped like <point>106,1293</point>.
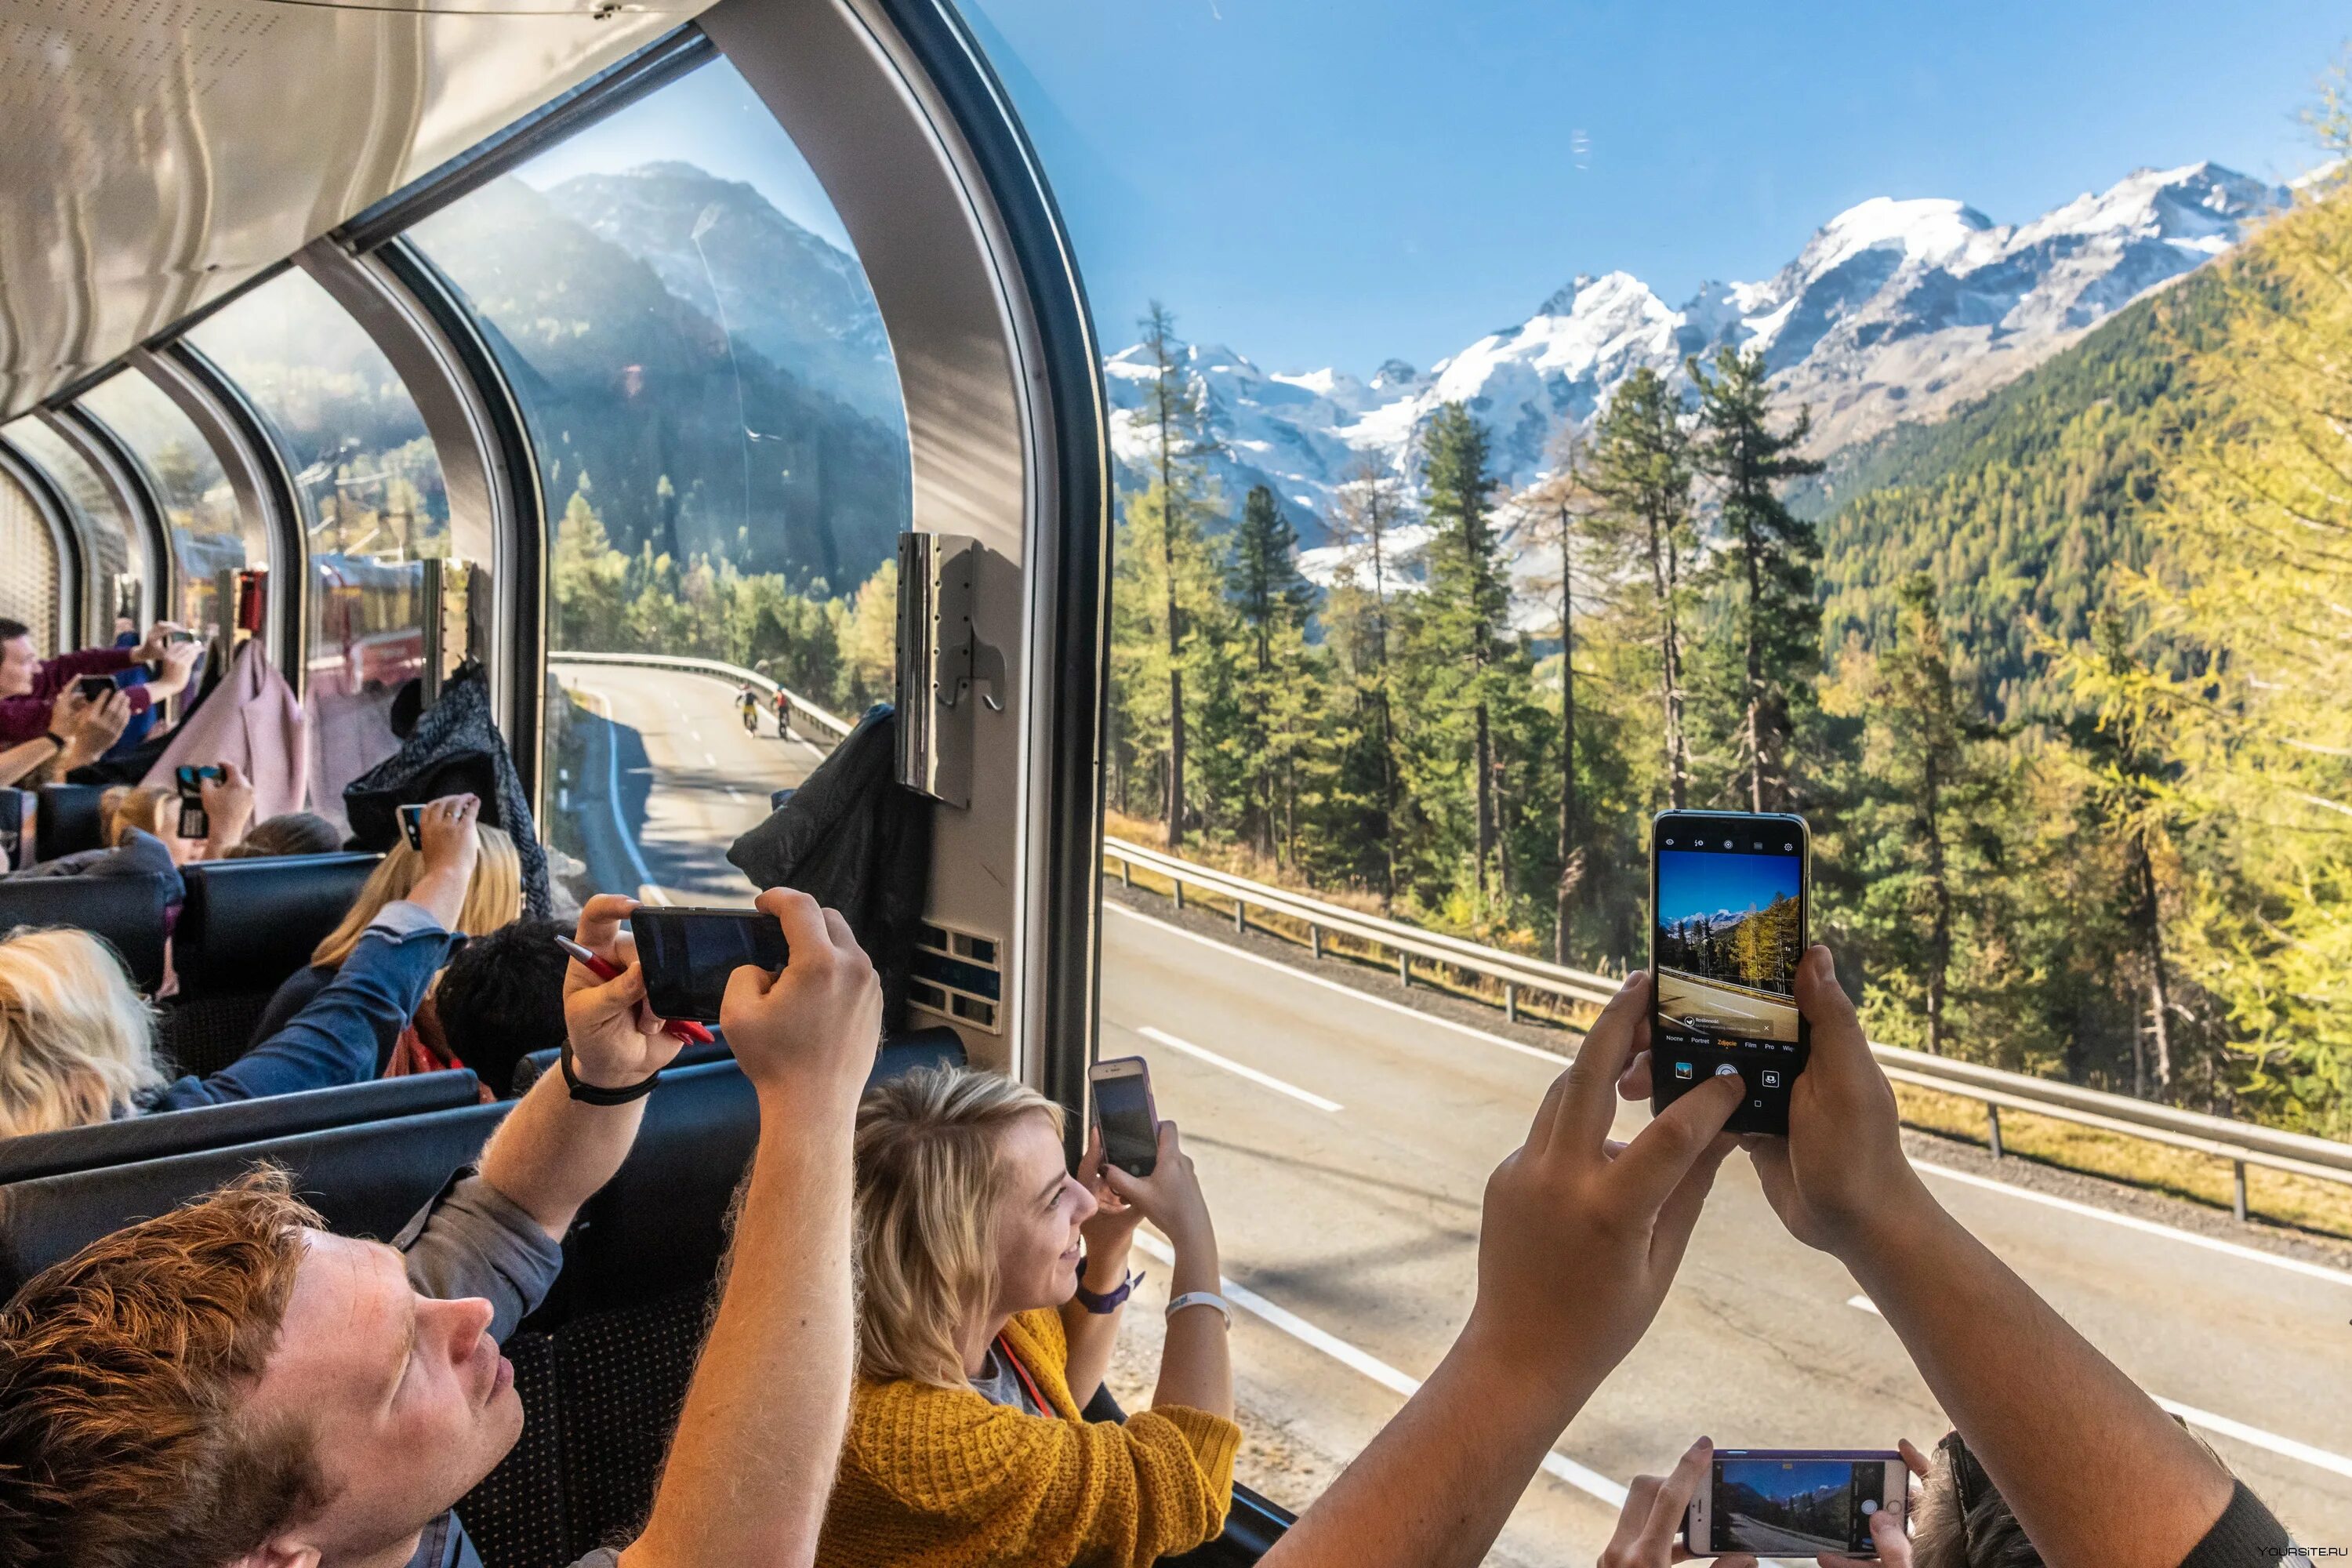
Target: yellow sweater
<point>940,1478</point>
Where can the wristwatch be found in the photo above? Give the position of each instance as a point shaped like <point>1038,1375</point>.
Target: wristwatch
<point>1109,1300</point>
<point>591,1094</point>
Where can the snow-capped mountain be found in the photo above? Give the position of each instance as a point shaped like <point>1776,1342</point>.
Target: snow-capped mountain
<point>1893,309</point>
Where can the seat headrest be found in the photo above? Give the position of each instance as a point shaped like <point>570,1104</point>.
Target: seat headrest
<point>368,1179</point>
<point>65,821</point>
<point>127,912</point>
<point>138,1138</point>
<point>248,924</point>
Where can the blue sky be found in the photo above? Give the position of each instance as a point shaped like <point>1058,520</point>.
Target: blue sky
<point>1314,182</point>
<point>1787,1478</point>
<point>1703,884</point>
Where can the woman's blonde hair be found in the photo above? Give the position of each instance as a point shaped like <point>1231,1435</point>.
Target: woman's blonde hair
<point>493,899</point>
<point>123,808</point>
<point>930,1174</point>
<point>76,1043</point>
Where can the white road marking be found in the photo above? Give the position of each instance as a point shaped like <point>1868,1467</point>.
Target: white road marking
<point>1556,1059</point>
<point>734,795</point>
<point>711,758</point>
<point>2254,1437</point>
<point>648,891</point>
<point>2088,1211</point>
<point>693,732</point>
<point>1580,1476</point>
<point>1237,1069</point>
<point>2132,1222</point>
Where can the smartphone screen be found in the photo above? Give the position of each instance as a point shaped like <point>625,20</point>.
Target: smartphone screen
<point>1123,1108</point>
<point>1798,1504</point>
<point>1729,897</point>
<point>411,825</point>
<point>688,955</point>
<point>95,688</point>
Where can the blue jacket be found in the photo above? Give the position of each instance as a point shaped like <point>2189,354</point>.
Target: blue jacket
<point>333,1040</point>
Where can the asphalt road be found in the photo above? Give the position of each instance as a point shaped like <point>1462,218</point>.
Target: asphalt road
<point>1724,1009</point>
<point>1345,1141</point>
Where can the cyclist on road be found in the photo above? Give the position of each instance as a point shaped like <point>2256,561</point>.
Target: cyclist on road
<point>783,715</point>
<point>748,702</point>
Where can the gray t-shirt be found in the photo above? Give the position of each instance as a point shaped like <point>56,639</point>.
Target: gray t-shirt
<point>473,1240</point>
<point>999,1384</point>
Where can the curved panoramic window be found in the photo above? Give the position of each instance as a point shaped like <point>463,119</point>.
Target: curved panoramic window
<point>28,562</point>
<point>102,527</point>
<point>209,535</point>
<point>373,508</point>
<point>723,452</point>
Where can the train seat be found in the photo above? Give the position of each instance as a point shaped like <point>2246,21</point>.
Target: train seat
<point>238,1122</point>
<point>126,911</point>
<point>64,820</point>
<point>245,927</point>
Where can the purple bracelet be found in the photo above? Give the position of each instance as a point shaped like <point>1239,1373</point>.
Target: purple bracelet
<point>1109,1302</point>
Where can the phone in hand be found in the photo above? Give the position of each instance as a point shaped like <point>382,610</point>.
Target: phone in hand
<point>411,826</point>
<point>1730,893</point>
<point>189,784</point>
<point>1795,1502</point>
<point>94,688</point>
<point>689,954</point>
<point>1123,1110</point>
<point>177,637</point>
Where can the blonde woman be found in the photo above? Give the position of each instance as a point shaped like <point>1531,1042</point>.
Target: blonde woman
<point>78,1045</point>
<point>979,1342</point>
<point>493,899</point>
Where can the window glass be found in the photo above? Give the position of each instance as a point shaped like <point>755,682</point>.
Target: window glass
<point>373,508</point>
<point>723,451</point>
<point>103,522</point>
<point>209,535</point>
<point>29,564</point>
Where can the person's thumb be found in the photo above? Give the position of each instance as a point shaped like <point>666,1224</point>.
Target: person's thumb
<point>1837,1031</point>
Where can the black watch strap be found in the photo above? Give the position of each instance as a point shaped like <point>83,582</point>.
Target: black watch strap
<point>590,1094</point>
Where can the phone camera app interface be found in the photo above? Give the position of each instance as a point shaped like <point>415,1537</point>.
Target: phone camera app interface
<point>1795,1507</point>
<point>1729,938</point>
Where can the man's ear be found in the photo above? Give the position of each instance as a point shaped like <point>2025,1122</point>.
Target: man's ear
<point>280,1553</point>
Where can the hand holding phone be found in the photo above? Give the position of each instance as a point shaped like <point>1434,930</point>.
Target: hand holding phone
<point>93,688</point>
<point>188,782</point>
<point>690,956</point>
<point>411,826</point>
<point>1124,1113</point>
<point>1798,1501</point>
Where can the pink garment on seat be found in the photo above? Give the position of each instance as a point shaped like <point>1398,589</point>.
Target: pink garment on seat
<point>254,720</point>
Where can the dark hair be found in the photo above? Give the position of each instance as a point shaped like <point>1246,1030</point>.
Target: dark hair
<point>501,998</point>
<point>10,630</point>
<point>289,833</point>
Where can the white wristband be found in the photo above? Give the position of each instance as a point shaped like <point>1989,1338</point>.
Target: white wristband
<point>1203,1299</point>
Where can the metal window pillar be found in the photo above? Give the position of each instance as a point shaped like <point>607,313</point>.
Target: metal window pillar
<point>64,524</point>
<point>132,491</point>
<point>488,467</point>
<point>260,481</point>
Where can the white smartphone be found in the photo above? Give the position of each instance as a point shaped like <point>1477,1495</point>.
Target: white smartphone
<point>1123,1108</point>
<point>1783,1502</point>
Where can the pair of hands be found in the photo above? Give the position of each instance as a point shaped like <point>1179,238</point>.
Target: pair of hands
<point>1649,1528</point>
<point>1170,1197</point>
<point>809,1032</point>
<point>87,728</point>
<point>177,660</point>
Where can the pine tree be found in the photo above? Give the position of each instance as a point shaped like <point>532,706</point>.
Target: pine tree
<point>1558,509</point>
<point>1772,552</point>
<point>1369,505</point>
<point>1271,601</point>
<point>1640,468</point>
<point>1171,411</point>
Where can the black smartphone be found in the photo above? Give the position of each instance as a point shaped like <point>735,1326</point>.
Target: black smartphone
<point>94,688</point>
<point>1123,1108</point>
<point>411,826</point>
<point>1730,893</point>
<point>688,955</point>
<point>189,784</point>
<point>1790,1502</point>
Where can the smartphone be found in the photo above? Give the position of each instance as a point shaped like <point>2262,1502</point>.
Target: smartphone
<point>1730,894</point>
<point>688,955</point>
<point>179,637</point>
<point>189,784</point>
<point>411,826</point>
<point>1792,1502</point>
<point>94,688</point>
<point>1123,1110</point>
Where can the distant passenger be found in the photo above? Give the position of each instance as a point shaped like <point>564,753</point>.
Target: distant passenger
<point>494,898</point>
<point>228,1386</point>
<point>289,833</point>
<point>500,999</point>
<point>80,732</point>
<point>979,1345</point>
<point>78,1045</point>
<point>29,684</point>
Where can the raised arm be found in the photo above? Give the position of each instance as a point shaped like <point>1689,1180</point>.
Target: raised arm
<point>2095,1471</point>
<point>1196,1368</point>
<point>1580,1238</point>
<point>555,1151</point>
<point>759,1436</point>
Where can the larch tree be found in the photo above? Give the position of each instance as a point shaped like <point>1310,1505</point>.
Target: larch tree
<point>1173,413</point>
<point>1640,470</point>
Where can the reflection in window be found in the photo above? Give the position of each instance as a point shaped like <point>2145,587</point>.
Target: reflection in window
<point>208,535</point>
<point>373,502</point>
<point>102,526</point>
<point>723,446</point>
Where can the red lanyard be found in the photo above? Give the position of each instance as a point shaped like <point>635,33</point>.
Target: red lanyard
<point>1023,1374</point>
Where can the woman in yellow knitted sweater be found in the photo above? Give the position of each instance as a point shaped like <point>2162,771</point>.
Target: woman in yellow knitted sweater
<point>979,1342</point>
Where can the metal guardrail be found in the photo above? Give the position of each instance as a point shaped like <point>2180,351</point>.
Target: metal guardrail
<point>802,706</point>
<point>2240,1144</point>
